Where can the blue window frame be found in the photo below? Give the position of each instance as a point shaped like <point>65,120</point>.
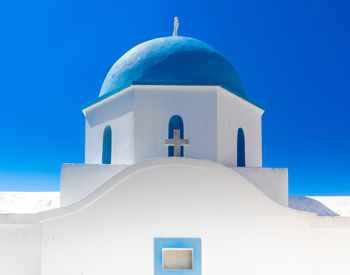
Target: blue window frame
<point>190,243</point>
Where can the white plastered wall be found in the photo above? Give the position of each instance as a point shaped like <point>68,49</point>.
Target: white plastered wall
<point>139,117</point>
<point>118,113</point>
<point>20,249</point>
<point>242,230</point>
<point>235,113</point>
<point>155,105</point>
<point>273,182</point>
<point>113,228</point>
<point>79,180</point>
<point>330,245</point>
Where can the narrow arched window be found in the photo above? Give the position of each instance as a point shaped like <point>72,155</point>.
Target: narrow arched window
<point>240,148</point>
<point>107,146</point>
<point>175,123</point>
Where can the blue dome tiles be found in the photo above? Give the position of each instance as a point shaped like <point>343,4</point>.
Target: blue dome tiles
<point>172,59</point>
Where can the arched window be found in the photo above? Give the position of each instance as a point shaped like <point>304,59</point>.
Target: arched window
<point>107,146</point>
<point>240,148</point>
<point>175,123</point>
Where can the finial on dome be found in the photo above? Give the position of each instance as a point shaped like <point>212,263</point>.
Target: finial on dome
<point>176,26</point>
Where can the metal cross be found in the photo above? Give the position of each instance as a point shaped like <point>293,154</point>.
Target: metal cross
<point>177,142</point>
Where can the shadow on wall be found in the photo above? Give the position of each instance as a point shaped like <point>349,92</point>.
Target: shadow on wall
<point>310,205</point>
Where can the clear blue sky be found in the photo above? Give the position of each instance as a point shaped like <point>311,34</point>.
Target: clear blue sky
<point>293,58</point>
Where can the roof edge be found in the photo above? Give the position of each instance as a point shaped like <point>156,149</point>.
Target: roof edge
<point>171,83</point>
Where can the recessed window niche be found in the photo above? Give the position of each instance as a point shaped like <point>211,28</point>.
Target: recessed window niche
<point>177,258</point>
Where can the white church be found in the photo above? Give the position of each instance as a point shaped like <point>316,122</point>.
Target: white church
<point>173,183</point>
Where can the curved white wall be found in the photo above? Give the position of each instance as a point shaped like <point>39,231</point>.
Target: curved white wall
<point>242,231</point>
<point>111,231</point>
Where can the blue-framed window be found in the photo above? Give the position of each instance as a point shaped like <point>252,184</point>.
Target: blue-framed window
<point>166,247</point>
<point>240,148</point>
<point>175,123</point>
<point>107,146</point>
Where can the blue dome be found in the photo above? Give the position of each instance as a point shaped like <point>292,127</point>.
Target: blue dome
<point>173,59</point>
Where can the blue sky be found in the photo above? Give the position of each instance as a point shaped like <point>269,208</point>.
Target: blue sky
<point>293,58</point>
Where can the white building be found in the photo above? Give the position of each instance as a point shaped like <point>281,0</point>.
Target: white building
<point>139,205</point>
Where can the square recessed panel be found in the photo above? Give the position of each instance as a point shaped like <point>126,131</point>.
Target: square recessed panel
<point>177,256</point>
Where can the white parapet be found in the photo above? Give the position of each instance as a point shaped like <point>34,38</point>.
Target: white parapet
<point>273,182</point>
<point>79,180</point>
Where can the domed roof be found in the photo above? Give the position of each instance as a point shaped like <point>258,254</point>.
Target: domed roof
<point>172,59</point>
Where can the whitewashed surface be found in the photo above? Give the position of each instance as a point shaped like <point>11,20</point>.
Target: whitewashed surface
<point>33,202</point>
<point>322,205</point>
<point>28,202</point>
